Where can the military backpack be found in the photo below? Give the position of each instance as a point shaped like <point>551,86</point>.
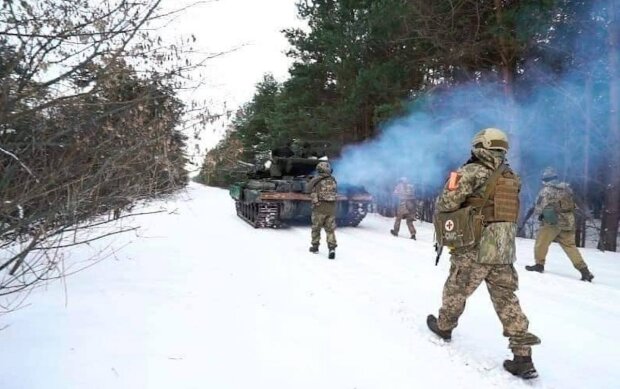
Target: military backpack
<point>565,201</point>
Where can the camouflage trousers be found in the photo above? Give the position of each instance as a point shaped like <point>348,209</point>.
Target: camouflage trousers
<point>502,282</point>
<point>548,234</point>
<point>406,210</point>
<point>408,219</point>
<point>324,217</point>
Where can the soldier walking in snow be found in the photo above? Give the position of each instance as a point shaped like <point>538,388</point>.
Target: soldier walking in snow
<point>486,191</point>
<point>322,189</point>
<point>406,207</point>
<point>555,207</point>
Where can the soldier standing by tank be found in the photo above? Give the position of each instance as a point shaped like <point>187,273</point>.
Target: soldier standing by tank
<point>491,258</point>
<point>323,192</point>
<point>406,207</point>
<point>555,207</point>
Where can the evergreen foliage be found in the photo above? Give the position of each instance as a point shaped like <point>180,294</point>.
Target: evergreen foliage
<point>360,64</point>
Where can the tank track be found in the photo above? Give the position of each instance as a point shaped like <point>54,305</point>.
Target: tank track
<point>352,219</point>
<point>260,215</point>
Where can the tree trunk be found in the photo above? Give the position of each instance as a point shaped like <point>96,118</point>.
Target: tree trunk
<point>508,67</point>
<point>581,233</point>
<point>611,214</point>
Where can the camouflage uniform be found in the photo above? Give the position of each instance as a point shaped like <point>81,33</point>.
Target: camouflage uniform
<point>561,230</point>
<point>406,207</point>
<point>323,194</point>
<point>490,261</point>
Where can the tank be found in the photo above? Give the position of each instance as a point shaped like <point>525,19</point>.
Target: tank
<point>274,195</point>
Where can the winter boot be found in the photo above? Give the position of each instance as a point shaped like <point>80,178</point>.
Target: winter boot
<point>314,249</point>
<point>586,275</point>
<point>431,322</point>
<point>393,232</point>
<point>332,254</point>
<point>539,268</point>
<point>521,367</point>
<point>413,236</point>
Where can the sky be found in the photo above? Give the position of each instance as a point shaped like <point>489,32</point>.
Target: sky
<point>252,30</point>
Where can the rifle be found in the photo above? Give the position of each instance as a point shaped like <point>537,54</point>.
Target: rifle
<point>438,250</point>
<point>245,164</point>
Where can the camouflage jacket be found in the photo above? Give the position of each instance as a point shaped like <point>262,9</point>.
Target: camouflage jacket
<point>322,188</point>
<point>559,197</point>
<point>405,195</point>
<point>497,245</point>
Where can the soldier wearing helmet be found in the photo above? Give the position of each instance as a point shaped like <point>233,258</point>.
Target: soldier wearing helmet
<point>323,193</point>
<point>555,207</point>
<point>406,207</point>
<point>489,186</point>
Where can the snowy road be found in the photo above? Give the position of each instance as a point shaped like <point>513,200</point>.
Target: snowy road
<point>202,300</point>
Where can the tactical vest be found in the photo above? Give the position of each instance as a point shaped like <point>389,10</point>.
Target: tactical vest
<point>499,203</point>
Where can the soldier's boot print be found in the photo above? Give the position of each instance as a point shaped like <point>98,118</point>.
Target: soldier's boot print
<point>314,249</point>
<point>431,322</point>
<point>538,268</point>
<point>586,275</point>
<point>332,254</point>
<point>521,366</point>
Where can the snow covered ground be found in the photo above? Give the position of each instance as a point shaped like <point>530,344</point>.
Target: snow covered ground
<point>199,299</point>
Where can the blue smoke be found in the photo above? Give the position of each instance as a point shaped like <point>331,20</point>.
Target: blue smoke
<point>546,120</point>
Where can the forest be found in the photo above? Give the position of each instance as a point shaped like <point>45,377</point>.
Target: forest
<point>400,86</point>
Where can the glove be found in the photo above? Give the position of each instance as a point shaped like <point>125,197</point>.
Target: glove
<point>540,217</point>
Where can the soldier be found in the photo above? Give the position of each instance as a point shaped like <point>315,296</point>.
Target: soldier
<point>406,207</point>
<point>283,152</point>
<point>297,148</point>
<point>555,207</point>
<point>490,258</point>
<point>322,189</point>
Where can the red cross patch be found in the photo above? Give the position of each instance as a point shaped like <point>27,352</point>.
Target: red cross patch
<point>449,226</point>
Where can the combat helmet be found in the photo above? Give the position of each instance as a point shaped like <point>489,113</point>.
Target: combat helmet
<point>491,139</point>
<point>549,174</point>
<point>324,167</point>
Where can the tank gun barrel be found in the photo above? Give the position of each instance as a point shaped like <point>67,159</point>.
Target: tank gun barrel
<point>246,164</point>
